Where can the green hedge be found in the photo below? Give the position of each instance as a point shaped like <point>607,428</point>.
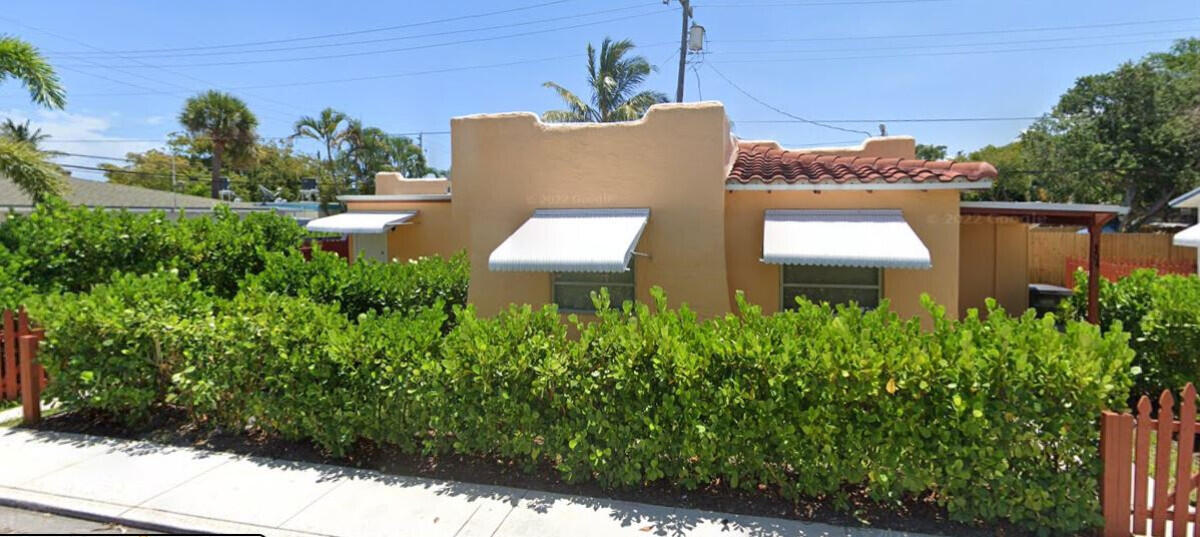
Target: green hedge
<point>996,418</point>
<point>64,248</point>
<point>111,350</point>
<point>1162,315</point>
<point>366,285</point>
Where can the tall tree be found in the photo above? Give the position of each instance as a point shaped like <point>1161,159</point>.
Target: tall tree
<point>226,121</point>
<point>20,161</point>
<point>931,152</point>
<point>331,128</point>
<point>614,81</point>
<point>22,132</point>
<point>372,150</point>
<point>1130,136</point>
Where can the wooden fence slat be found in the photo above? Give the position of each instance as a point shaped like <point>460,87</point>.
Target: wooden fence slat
<point>31,386</point>
<point>1141,466</point>
<point>1183,461</point>
<point>1116,444</point>
<point>1162,464</point>
<point>10,356</point>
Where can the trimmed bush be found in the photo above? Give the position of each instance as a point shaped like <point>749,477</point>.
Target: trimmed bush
<point>110,350</point>
<point>367,285</point>
<point>221,250</point>
<point>996,417</point>
<point>1161,314</point>
<point>70,249</point>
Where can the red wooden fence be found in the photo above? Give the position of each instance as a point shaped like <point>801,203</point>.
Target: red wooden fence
<point>18,346</point>
<point>1143,493</point>
<point>1117,269</point>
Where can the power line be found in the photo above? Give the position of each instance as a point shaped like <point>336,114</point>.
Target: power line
<point>954,34</point>
<point>764,103</point>
<point>900,120</point>
<point>954,53</point>
<point>380,40</point>
<point>56,154</point>
<point>959,45</point>
<point>405,49</point>
<point>829,3</point>
<point>121,70</point>
<point>343,34</point>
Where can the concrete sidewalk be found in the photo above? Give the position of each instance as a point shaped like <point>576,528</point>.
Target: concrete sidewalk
<point>177,489</point>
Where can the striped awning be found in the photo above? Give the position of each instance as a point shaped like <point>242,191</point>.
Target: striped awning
<point>848,238</point>
<point>366,223</point>
<point>1188,237</point>
<point>572,240</point>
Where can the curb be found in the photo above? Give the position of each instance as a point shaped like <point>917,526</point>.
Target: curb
<point>84,515</point>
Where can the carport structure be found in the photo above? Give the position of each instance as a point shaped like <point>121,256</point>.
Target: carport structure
<point>1092,217</point>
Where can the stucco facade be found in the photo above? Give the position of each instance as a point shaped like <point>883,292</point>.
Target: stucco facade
<point>703,240</point>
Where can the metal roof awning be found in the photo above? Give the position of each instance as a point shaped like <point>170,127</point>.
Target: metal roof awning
<point>367,223</point>
<point>572,240</point>
<point>849,238</point>
<point>1188,237</point>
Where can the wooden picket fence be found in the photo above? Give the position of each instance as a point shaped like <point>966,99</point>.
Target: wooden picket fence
<point>1117,269</point>
<point>18,346</point>
<point>1150,492</point>
<point>1049,249</point>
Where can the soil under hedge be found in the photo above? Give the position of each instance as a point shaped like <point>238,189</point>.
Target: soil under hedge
<point>172,428</point>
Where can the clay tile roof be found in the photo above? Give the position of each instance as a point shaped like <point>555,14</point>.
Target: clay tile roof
<point>766,163</point>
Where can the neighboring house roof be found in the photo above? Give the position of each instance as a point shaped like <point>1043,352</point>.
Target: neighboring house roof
<point>768,164</point>
<point>1190,199</point>
<point>111,195</point>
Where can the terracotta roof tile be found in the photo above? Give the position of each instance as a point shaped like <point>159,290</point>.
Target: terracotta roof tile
<point>767,163</point>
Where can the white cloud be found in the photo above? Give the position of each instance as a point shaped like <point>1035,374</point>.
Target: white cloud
<point>80,134</point>
<point>155,120</point>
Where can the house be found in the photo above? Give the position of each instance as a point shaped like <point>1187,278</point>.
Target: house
<point>550,212</point>
<point>114,196</point>
<point>1191,235</point>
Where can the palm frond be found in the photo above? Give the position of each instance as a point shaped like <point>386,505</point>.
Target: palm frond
<point>29,170</point>
<point>22,61</point>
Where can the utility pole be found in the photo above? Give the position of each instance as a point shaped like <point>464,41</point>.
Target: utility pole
<point>683,47</point>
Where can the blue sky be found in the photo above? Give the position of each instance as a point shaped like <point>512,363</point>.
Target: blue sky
<point>817,59</point>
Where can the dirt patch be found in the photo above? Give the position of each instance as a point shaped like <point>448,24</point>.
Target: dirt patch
<point>173,428</point>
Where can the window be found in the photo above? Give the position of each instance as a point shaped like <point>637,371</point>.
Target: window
<point>836,285</point>
<point>573,290</point>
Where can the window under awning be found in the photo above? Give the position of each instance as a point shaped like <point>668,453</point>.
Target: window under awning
<point>849,238</point>
<point>1188,237</point>
<point>572,240</point>
<point>367,223</point>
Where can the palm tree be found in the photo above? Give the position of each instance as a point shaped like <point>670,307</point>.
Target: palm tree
<point>327,129</point>
<point>21,162</point>
<point>613,80</point>
<point>22,132</point>
<point>226,121</point>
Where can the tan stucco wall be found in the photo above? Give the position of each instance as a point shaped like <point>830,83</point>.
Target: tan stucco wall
<point>673,161</point>
<point>932,215</point>
<point>994,263</point>
<point>392,183</point>
<point>434,231</point>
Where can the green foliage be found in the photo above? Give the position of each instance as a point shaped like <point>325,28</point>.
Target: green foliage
<point>1161,316</point>
<point>73,248</point>
<point>614,81</point>
<point>108,350</point>
<point>29,169</point>
<point>298,369</point>
<point>931,152</point>
<point>223,249</point>
<point>25,64</point>
<point>367,285</point>
<point>1129,136</point>
<point>13,290</point>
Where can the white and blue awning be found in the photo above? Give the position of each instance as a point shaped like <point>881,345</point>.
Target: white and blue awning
<point>572,240</point>
<point>366,223</point>
<point>849,238</point>
<point>1188,237</point>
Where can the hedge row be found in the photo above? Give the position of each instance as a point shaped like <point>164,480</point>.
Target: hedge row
<point>995,418</point>
<point>1161,314</point>
<point>62,248</point>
